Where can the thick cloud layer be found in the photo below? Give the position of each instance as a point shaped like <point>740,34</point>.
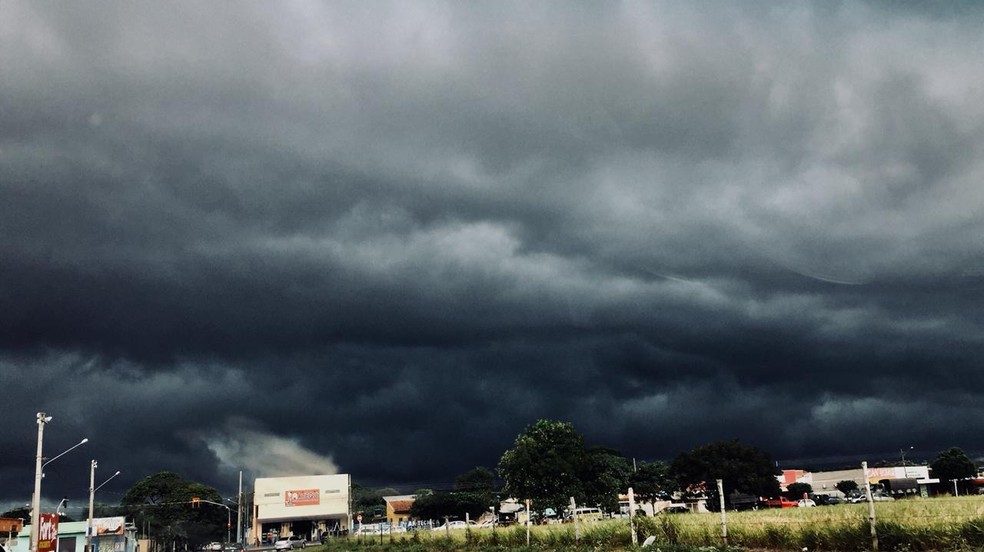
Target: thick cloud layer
<point>381,238</point>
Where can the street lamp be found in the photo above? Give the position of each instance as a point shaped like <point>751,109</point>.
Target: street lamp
<point>902,454</point>
<point>43,419</point>
<point>92,495</point>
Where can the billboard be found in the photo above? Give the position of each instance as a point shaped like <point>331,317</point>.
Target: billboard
<point>48,532</point>
<point>307,497</point>
<point>108,526</point>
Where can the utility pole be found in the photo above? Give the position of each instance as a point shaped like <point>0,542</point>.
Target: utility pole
<point>239,510</point>
<point>871,507</point>
<point>92,494</point>
<point>724,515</point>
<point>36,499</point>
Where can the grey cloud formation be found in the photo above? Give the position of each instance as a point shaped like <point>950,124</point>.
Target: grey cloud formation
<point>384,237</point>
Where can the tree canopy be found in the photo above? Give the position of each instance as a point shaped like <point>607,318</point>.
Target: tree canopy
<point>163,502</point>
<point>797,490</point>
<point>607,475</point>
<point>953,463</point>
<point>369,502</point>
<point>743,469</point>
<point>652,481</point>
<point>846,486</point>
<point>477,480</point>
<point>546,464</point>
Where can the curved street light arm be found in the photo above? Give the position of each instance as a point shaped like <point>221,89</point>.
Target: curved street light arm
<point>77,445</point>
<point>107,481</point>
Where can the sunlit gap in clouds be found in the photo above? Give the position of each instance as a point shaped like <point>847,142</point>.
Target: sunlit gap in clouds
<point>242,446</point>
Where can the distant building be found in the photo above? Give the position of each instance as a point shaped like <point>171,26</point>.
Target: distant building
<point>398,508</point>
<point>10,528</point>
<point>826,482</point>
<point>306,505</point>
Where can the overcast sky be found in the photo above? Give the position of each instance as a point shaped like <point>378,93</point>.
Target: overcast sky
<point>382,238</point>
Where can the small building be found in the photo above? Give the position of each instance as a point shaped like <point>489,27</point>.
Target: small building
<point>111,534</point>
<point>308,505</point>
<point>398,508</point>
<point>10,529</point>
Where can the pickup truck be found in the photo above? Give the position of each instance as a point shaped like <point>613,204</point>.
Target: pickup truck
<point>781,502</point>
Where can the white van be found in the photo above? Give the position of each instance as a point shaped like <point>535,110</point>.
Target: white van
<point>588,514</point>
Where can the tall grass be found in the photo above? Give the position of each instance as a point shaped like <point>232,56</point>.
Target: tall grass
<point>914,525</point>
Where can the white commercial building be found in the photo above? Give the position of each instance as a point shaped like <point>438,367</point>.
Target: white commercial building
<point>308,505</point>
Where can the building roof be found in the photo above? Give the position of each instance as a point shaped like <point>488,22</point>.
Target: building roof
<point>400,506</point>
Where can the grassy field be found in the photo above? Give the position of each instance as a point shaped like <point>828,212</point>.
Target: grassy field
<point>937,524</point>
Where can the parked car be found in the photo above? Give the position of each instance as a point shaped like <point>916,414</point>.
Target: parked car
<point>781,502</point>
<point>233,547</point>
<point>805,503</point>
<point>455,525</point>
<point>290,543</point>
<point>875,497</point>
<point>215,546</point>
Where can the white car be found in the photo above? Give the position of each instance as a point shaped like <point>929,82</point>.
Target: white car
<point>806,503</point>
<point>455,525</point>
<point>289,543</point>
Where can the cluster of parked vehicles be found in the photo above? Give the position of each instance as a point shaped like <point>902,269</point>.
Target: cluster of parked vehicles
<point>749,502</point>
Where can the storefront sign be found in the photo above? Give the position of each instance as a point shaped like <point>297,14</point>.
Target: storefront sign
<point>306,497</point>
<point>48,534</point>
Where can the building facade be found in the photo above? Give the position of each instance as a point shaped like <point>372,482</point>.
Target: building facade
<point>111,534</point>
<point>398,508</point>
<point>310,505</point>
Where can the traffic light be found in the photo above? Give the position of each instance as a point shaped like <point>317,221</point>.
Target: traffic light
<point>196,502</point>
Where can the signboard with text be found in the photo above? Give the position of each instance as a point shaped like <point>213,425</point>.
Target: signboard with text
<point>306,497</point>
<point>48,533</point>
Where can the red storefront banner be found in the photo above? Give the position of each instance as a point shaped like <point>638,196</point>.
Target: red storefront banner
<point>306,497</point>
<point>48,532</point>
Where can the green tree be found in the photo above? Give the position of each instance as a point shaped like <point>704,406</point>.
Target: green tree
<point>743,469</point>
<point>474,490</point>
<point>545,465</point>
<point>796,490</point>
<point>23,512</point>
<point>951,464</point>
<point>608,474</point>
<point>369,502</point>
<point>453,505</point>
<point>652,482</point>
<point>163,502</point>
<point>846,486</point>
<point>477,480</point>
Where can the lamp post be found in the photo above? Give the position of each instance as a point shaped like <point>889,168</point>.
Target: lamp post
<point>92,495</point>
<point>43,419</point>
<point>36,499</point>
<point>902,454</point>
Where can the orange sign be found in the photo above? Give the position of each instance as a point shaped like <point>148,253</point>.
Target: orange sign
<point>306,497</point>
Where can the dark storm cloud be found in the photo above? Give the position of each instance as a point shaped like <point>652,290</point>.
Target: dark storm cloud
<point>323,236</point>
